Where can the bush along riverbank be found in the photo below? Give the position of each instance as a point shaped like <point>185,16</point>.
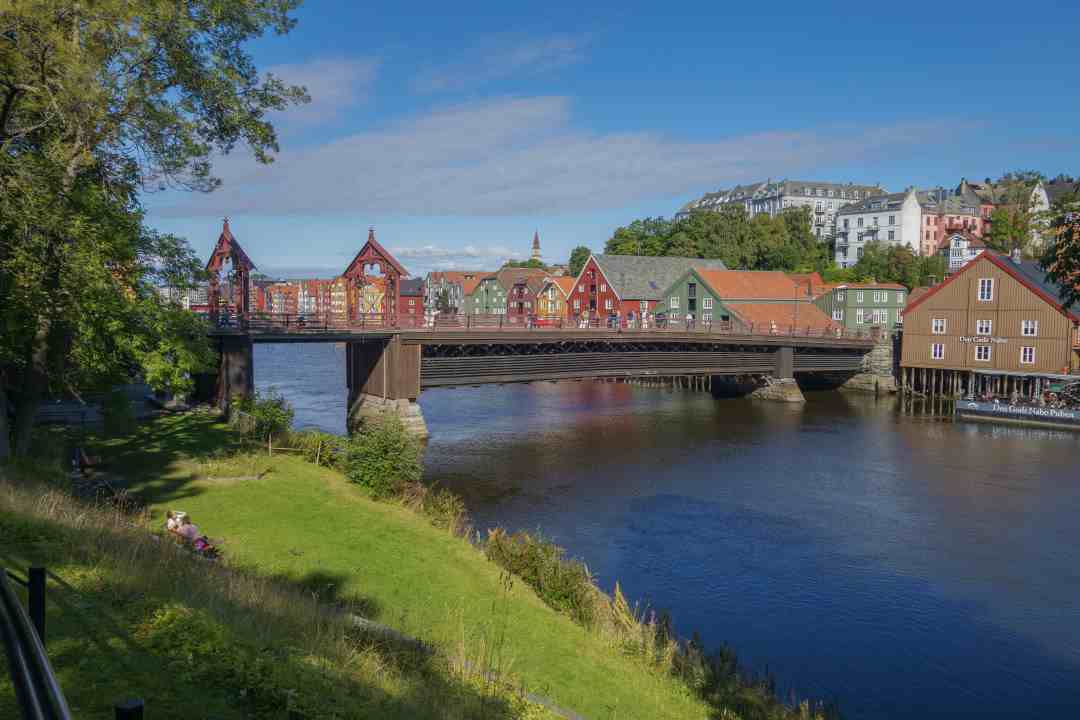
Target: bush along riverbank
<point>388,462</point>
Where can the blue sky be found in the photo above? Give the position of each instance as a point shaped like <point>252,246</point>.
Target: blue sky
<point>457,130</point>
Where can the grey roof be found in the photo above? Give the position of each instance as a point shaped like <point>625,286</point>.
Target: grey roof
<point>642,277</point>
<point>949,202</point>
<point>1060,187</point>
<point>1034,274</point>
<point>892,201</point>
<point>411,286</point>
<point>770,188</point>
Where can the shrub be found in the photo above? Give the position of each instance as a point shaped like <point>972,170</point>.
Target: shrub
<point>443,508</point>
<point>259,416</point>
<point>565,585</point>
<point>320,448</point>
<point>383,456</point>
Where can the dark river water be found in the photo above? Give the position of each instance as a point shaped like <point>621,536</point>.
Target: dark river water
<point>903,566</point>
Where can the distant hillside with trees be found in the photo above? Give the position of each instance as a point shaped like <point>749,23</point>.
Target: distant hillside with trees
<point>784,242</point>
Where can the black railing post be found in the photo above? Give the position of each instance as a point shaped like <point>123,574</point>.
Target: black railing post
<point>129,710</point>
<point>36,599</point>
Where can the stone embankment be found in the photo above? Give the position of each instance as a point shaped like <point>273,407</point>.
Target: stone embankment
<point>368,407</point>
<point>877,371</point>
<point>779,390</point>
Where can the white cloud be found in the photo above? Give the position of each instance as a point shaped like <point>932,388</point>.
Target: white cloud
<point>523,156</point>
<point>501,58</point>
<point>334,84</point>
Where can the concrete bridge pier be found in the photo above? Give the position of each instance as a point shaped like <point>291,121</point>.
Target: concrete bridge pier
<point>383,377</point>
<point>777,386</point>
<point>236,369</point>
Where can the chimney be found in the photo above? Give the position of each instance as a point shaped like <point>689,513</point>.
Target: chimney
<point>1016,256</point>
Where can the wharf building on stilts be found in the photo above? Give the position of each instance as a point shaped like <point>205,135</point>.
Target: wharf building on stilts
<point>996,328</point>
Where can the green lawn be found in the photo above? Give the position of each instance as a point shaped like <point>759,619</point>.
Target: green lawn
<point>308,526</point>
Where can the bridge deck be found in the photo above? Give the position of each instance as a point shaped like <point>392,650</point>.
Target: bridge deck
<point>518,336</point>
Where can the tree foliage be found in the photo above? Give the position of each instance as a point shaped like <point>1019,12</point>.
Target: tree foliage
<point>530,263</point>
<point>1062,255</point>
<point>578,257</point>
<point>784,242</point>
<point>895,263</point>
<point>383,456</point>
<point>100,101</point>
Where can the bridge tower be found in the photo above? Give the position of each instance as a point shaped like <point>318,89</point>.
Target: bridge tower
<point>228,250</point>
<point>373,255</point>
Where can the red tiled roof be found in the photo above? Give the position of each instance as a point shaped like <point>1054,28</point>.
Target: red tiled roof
<point>565,282</point>
<point>469,281</point>
<point>762,315</point>
<point>740,284</point>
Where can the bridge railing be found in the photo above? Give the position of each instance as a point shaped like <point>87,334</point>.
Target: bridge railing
<point>328,322</point>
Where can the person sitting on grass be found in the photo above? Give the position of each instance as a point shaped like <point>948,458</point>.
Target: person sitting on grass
<point>190,532</point>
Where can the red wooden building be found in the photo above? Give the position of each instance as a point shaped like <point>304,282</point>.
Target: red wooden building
<point>410,312</point>
<point>626,288</point>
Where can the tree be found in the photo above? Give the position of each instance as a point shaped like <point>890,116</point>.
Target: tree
<point>99,101</point>
<point>1013,221</point>
<point>578,257</point>
<point>530,263</point>
<point>1062,255</point>
<point>442,302</point>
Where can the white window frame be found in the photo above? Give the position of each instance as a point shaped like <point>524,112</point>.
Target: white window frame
<point>899,316</point>
<point>603,287</point>
<point>860,294</point>
<point>988,285</point>
<point>981,350</point>
<point>934,326</point>
<point>937,351</point>
<point>1027,350</point>
<point>706,303</point>
<point>607,304</point>
<point>706,317</point>
<point>840,296</point>
<point>860,316</point>
<point>1032,324</point>
<point>980,324</point>
<point>577,304</point>
<point>838,315</point>
<point>673,302</point>
<point>900,297</point>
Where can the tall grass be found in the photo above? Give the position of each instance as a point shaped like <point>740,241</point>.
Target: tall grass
<point>268,642</point>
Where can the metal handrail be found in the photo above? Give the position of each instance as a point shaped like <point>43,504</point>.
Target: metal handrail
<point>36,687</point>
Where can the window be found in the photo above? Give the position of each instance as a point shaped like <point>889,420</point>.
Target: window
<point>881,317</point>
<point>673,303</point>
<point>892,219</point>
<point>837,314</point>
<point>982,353</point>
<point>845,223</point>
<point>706,303</point>
<point>691,290</point>
<point>877,295</point>
<point>875,221</point>
<point>859,296</point>
<point>937,351</point>
<point>984,328</point>
<point>937,326</point>
<point>860,316</point>
<point>899,317</point>
<point>892,234</point>
<point>1029,328</point>
<point>603,287</point>
<point>927,234</point>
<point>858,222</point>
<point>706,317</point>
<point>581,288</point>
<point>607,304</point>
<point>986,289</point>
<point>840,296</point>
<point>577,304</point>
<point>899,297</point>
<point>1027,356</point>
<point>644,306</point>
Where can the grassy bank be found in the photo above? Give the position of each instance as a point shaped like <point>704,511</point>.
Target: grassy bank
<point>304,531</point>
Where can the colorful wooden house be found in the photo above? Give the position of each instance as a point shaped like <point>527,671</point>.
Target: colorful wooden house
<point>522,287</point>
<point>861,306</point>
<point>486,298</point>
<point>742,301</point>
<point>552,302</point>
<point>627,287</point>
<point>411,303</point>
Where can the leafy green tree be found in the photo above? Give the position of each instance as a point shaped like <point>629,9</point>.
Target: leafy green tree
<point>99,100</point>
<point>578,257</point>
<point>383,456</point>
<point>530,263</point>
<point>1062,255</point>
<point>442,302</point>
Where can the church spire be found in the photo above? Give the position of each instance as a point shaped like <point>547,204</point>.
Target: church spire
<point>536,245</point>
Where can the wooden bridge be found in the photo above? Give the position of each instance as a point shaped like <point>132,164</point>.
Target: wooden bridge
<point>394,364</point>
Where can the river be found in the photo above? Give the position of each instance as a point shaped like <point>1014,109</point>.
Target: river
<point>900,565</point>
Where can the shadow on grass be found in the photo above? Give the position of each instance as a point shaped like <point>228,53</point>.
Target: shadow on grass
<point>222,642</point>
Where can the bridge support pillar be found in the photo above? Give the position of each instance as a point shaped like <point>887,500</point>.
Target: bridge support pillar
<point>781,387</point>
<point>236,369</point>
<point>383,378</point>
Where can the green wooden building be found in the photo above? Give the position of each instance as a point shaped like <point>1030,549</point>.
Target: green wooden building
<point>861,306</point>
<point>487,298</point>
